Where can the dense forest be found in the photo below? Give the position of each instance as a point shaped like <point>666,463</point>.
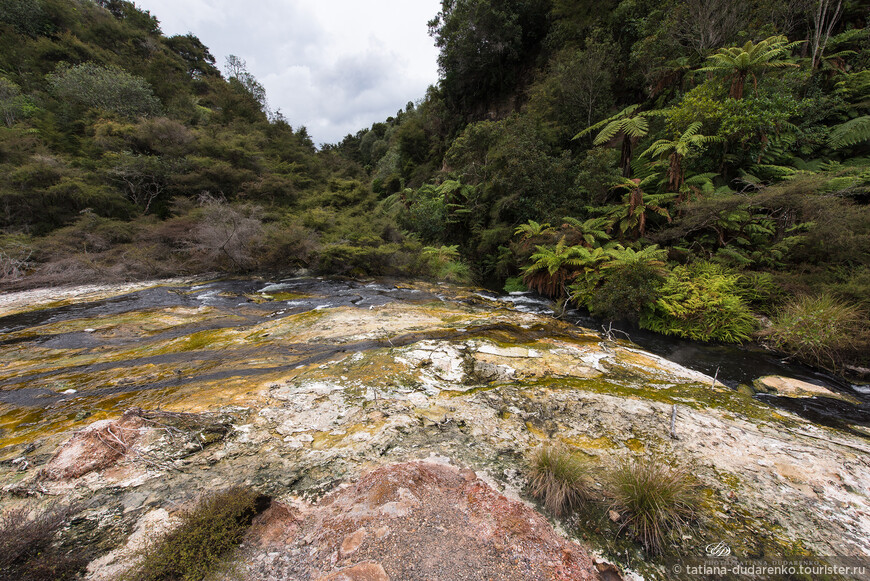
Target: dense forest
<point>698,168</point>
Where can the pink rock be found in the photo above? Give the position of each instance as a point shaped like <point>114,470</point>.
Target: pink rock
<point>363,572</point>
<point>352,542</point>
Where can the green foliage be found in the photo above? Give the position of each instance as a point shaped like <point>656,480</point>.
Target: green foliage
<point>514,284</point>
<point>626,292</point>
<point>760,290</point>
<point>590,233</point>
<point>27,16</point>
<point>207,536</point>
<point>109,88</point>
<point>654,500</point>
<point>444,263</point>
<point>559,479</point>
<point>422,211</point>
<point>676,150</point>
<point>638,207</point>
<point>740,63</point>
<point>483,45</point>
<point>818,329</point>
<point>552,267</point>
<point>372,259</point>
<point>596,175</point>
<point>576,89</point>
<point>851,132</point>
<point>532,230</point>
<point>703,302</point>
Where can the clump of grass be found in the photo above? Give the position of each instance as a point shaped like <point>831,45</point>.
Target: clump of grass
<point>208,534</point>
<point>559,479</point>
<point>654,500</point>
<point>818,330</point>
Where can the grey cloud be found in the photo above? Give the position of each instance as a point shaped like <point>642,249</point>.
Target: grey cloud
<point>336,66</point>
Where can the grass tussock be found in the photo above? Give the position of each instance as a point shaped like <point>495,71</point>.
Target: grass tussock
<point>559,479</point>
<point>207,536</point>
<point>653,499</point>
<point>820,330</point>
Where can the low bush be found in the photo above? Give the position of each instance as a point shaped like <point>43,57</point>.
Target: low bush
<point>627,291</point>
<point>559,479</point>
<point>444,263</point>
<point>653,499</point>
<point>26,550</point>
<point>207,535</point>
<point>514,284</point>
<point>702,302</point>
<point>818,329</point>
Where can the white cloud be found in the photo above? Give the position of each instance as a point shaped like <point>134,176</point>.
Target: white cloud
<point>335,66</point>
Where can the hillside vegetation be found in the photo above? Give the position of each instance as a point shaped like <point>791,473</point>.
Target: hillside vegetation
<point>127,154</point>
<point>701,169</point>
<point>698,168</point>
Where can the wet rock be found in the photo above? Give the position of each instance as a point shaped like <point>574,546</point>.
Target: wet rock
<point>789,387</point>
<point>312,401</point>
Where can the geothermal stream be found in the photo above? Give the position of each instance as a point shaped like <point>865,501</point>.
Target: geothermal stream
<point>168,337</point>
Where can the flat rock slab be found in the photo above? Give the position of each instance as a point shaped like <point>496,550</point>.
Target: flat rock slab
<point>789,387</point>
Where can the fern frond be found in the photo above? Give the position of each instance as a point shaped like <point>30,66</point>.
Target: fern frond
<point>850,133</point>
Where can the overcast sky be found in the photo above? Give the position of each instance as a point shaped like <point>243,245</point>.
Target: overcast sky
<point>335,66</point>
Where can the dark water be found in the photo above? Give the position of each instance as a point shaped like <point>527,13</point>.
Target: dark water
<point>732,365</point>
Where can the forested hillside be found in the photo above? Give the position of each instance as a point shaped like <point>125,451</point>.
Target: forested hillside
<point>700,168</point>
<point>694,167</point>
<point>127,154</point>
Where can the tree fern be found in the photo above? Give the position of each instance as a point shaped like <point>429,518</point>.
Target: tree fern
<point>850,133</point>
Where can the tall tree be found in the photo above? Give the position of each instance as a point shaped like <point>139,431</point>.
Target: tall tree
<point>676,150</point>
<point>483,45</point>
<point>707,24</point>
<point>237,70</point>
<point>637,205</point>
<point>739,63</point>
<point>825,16</point>
<point>629,124</point>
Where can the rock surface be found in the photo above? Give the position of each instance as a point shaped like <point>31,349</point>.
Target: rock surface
<point>429,520</point>
<point>791,387</point>
<point>294,406</point>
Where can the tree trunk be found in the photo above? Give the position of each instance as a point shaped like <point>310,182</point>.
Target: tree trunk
<point>823,25</point>
<point>625,158</point>
<point>675,172</point>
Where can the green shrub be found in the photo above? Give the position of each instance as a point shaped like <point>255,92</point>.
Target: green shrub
<point>702,302</point>
<point>817,329</point>
<point>653,499</point>
<point>515,284</point>
<point>110,88</point>
<point>627,291</point>
<point>208,534</point>
<point>388,259</point>
<point>444,263</point>
<point>760,290</point>
<point>558,479</point>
